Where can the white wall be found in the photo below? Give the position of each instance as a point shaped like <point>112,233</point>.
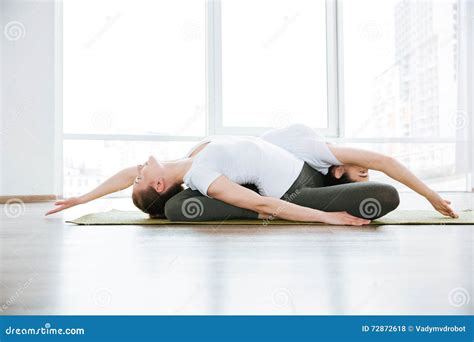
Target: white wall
<point>30,145</point>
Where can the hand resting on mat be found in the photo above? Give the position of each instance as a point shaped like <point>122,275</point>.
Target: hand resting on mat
<point>441,205</point>
<point>395,170</point>
<point>225,190</point>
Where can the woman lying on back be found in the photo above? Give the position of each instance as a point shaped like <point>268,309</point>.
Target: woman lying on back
<point>287,173</point>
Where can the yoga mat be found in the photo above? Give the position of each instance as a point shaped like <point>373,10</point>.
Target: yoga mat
<point>408,217</point>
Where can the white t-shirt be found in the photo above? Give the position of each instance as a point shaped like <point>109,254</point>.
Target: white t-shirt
<point>303,142</point>
<point>244,160</point>
<point>272,162</point>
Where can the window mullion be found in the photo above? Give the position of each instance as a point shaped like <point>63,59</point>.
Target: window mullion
<point>340,69</point>
<point>213,66</point>
<point>469,5</point>
<point>333,66</point>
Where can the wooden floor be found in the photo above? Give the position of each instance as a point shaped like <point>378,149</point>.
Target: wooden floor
<point>49,267</point>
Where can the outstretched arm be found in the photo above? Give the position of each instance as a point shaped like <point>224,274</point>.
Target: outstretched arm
<point>232,193</point>
<point>395,170</point>
<point>121,180</point>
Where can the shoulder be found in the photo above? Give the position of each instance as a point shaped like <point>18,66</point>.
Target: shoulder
<point>204,142</point>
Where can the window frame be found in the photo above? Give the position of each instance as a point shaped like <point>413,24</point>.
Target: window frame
<point>214,80</point>
<point>335,87</point>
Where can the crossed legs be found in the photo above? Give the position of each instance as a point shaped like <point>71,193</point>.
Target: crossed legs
<point>370,200</point>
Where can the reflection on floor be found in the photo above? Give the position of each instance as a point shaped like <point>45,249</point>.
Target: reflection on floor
<point>49,267</point>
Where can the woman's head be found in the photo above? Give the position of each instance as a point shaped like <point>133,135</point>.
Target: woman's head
<point>151,190</point>
<point>342,174</point>
<point>152,202</point>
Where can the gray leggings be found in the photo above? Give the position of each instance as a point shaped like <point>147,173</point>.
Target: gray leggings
<point>369,200</point>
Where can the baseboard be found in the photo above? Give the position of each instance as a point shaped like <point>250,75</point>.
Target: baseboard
<point>28,198</point>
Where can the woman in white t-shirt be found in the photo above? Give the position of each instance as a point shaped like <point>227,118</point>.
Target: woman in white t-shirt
<point>288,173</point>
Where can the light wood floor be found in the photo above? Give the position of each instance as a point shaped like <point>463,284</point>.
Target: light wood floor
<point>50,267</point>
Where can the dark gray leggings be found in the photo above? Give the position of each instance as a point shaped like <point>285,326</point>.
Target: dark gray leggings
<point>369,200</point>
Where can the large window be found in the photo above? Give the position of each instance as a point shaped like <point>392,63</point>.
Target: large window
<point>152,77</point>
<point>400,60</point>
<point>401,84</point>
<point>134,67</point>
<point>274,63</point>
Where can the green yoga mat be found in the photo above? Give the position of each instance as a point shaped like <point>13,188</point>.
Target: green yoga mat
<point>408,217</point>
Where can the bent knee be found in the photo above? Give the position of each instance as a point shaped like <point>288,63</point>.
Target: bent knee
<point>383,199</point>
<point>390,197</point>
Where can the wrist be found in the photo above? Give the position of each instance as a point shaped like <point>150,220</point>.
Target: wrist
<point>82,199</point>
<point>319,216</point>
<point>431,194</point>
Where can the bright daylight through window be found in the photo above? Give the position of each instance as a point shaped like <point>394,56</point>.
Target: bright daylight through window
<point>139,69</point>
<point>400,81</point>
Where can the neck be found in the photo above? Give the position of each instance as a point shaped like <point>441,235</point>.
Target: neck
<point>176,169</point>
